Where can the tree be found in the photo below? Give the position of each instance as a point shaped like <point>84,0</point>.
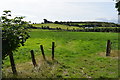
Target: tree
<point>14,34</point>
<point>45,20</point>
<point>118,8</point>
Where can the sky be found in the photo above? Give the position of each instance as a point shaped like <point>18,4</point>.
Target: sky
<point>62,10</point>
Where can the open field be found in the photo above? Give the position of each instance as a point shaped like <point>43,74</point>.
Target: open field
<point>51,25</point>
<point>77,55</point>
<point>76,28</point>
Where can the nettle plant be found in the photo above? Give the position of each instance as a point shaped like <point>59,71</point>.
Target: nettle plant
<point>14,34</point>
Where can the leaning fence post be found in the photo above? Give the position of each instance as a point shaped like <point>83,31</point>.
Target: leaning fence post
<point>33,58</point>
<point>53,45</point>
<point>42,50</point>
<point>12,63</point>
<point>108,49</point>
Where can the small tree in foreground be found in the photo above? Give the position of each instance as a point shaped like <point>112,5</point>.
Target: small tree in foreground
<point>14,34</point>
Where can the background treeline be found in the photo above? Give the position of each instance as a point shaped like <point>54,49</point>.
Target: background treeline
<point>82,26</point>
<point>95,29</point>
<point>89,24</point>
<point>85,24</point>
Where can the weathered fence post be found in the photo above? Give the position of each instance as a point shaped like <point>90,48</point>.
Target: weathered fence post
<point>42,50</point>
<point>53,45</point>
<point>12,63</point>
<point>33,58</point>
<point>108,49</point>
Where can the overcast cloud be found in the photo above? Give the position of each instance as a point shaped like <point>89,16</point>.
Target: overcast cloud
<point>62,10</point>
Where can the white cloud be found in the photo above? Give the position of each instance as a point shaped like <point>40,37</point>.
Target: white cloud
<point>108,20</point>
<point>36,10</point>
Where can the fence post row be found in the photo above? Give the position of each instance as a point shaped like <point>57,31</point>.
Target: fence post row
<point>108,49</point>
<point>33,58</point>
<point>53,45</point>
<point>42,50</point>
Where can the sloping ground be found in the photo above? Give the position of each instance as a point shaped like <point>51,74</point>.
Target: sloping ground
<point>51,25</point>
<point>90,66</point>
<point>114,53</point>
<point>77,55</point>
<point>26,70</point>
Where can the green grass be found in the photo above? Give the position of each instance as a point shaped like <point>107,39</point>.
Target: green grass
<point>76,52</point>
<point>51,25</point>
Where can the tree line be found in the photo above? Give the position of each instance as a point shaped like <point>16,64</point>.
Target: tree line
<point>94,29</point>
<point>84,24</point>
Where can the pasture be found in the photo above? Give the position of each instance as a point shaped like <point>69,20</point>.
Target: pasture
<point>62,26</point>
<point>77,55</point>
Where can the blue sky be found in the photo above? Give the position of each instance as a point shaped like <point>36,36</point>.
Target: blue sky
<point>62,10</point>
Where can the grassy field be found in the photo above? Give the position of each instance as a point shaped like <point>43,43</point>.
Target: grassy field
<point>77,55</point>
<point>63,27</point>
<point>51,25</point>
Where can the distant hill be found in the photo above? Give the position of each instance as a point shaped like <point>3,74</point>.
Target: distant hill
<point>78,27</point>
<point>89,24</point>
<point>84,24</point>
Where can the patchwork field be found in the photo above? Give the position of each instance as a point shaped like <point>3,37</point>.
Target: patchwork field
<point>77,55</point>
<point>62,26</point>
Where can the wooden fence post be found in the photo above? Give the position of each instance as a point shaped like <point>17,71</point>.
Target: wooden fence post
<point>42,50</point>
<point>53,45</point>
<point>12,63</point>
<point>108,49</point>
<point>33,58</point>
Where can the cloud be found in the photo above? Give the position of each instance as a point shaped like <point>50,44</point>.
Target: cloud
<point>115,20</point>
<point>36,10</point>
